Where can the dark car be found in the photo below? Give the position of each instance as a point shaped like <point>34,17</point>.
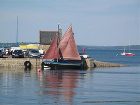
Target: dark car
<point>1,53</point>
<point>17,54</point>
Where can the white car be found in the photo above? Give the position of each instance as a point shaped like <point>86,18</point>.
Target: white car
<point>33,53</point>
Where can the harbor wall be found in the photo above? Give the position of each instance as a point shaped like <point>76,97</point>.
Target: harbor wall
<point>36,62</point>
<point>91,63</point>
<point>107,64</point>
<point>19,62</point>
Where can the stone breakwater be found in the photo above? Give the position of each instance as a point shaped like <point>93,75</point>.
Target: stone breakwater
<point>107,64</point>
<point>91,63</point>
<point>19,62</point>
<point>36,62</point>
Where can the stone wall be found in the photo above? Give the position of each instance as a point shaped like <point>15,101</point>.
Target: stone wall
<point>19,62</point>
<point>91,63</point>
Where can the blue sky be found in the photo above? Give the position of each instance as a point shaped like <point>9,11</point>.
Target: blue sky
<point>95,22</point>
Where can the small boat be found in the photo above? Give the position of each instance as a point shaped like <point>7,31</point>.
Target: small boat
<point>127,53</point>
<point>63,53</point>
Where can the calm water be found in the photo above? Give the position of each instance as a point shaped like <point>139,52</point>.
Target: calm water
<point>100,86</point>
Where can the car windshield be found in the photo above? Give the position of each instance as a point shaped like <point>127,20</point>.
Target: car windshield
<point>34,51</point>
<point>18,51</point>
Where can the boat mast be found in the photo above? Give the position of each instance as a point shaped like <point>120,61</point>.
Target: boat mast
<point>58,40</point>
<point>17,32</point>
<point>58,31</point>
<point>129,46</point>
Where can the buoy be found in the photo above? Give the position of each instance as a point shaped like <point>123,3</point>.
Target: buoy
<point>39,70</point>
<point>27,64</point>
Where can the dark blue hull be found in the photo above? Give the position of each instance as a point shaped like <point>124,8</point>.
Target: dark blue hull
<point>63,64</point>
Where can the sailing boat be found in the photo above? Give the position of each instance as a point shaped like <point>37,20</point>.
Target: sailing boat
<point>63,54</point>
<point>124,53</point>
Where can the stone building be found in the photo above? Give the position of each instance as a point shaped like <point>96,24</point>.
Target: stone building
<point>47,36</point>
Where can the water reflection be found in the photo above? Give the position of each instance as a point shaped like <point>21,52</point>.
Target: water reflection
<point>58,83</point>
<point>9,80</point>
<point>112,86</point>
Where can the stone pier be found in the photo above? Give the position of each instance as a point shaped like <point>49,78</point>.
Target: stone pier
<point>19,62</point>
<point>91,63</point>
<point>36,62</point>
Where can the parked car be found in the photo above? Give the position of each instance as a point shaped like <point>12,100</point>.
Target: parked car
<point>1,53</point>
<point>33,53</point>
<point>17,54</point>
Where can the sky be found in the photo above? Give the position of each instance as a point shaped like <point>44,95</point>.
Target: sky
<point>95,22</point>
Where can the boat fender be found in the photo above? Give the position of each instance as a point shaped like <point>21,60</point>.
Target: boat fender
<point>42,65</point>
<point>83,63</point>
<point>27,64</point>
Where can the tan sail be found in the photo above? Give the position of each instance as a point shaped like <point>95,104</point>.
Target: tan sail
<point>68,46</point>
<point>52,52</point>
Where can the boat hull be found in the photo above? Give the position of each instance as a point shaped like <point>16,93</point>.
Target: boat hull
<point>54,65</point>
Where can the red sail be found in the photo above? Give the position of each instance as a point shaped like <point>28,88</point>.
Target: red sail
<point>52,52</point>
<point>68,46</point>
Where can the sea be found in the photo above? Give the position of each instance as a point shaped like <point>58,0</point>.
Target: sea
<point>96,86</point>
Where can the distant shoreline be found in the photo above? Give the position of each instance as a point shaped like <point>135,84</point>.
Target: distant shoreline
<point>133,47</point>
